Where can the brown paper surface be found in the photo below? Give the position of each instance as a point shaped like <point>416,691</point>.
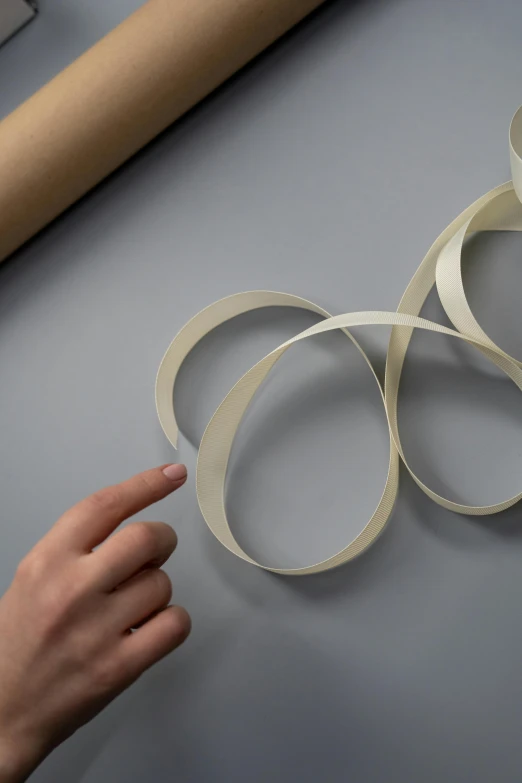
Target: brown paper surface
<point>119,95</point>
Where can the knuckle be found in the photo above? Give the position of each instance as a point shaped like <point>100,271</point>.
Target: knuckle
<point>146,484</point>
<point>180,624</point>
<point>108,673</point>
<point>108,499</point>
<point>162,586</point>
<point>171,536</point>
<point>166,542</point>
<point>32,568</point>
<point>143,537</point>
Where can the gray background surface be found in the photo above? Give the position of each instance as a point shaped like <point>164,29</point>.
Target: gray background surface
<point>325,169</point>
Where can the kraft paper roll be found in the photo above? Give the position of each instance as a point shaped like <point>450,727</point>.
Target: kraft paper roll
<point>500,209</point>
<point>119,95</point>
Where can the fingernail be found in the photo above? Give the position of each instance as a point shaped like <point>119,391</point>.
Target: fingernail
<point>175,472</point>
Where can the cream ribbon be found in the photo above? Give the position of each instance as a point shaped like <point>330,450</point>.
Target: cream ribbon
<point>500,209</point>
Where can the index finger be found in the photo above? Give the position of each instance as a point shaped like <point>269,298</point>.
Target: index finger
<point>89,522</point>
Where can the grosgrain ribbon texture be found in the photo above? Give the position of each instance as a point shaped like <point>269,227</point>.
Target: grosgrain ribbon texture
<point>500,209</point>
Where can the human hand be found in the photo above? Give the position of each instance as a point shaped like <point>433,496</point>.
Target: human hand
<point>78,626</point>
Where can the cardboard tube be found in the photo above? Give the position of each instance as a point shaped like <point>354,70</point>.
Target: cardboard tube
<point>119,95</point>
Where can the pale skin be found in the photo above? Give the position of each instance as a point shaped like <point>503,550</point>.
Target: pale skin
<point>86,614</point>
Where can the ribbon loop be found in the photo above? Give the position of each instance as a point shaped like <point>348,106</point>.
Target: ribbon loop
<point>500,209</point>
